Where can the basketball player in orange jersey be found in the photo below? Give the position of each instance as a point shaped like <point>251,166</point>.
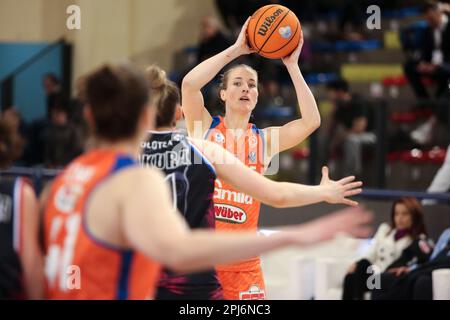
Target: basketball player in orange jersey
<point>192,166</point>
<point>253,146</point>
<point>109,223</point>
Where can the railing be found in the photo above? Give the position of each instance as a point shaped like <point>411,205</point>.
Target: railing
<point>385,194</point>
<point>37,175</point>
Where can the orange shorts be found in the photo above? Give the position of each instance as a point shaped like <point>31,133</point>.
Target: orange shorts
<point>242,285</point>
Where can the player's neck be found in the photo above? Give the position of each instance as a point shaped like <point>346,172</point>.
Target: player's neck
<point>236,121</point>
<point>165,129</point>
<point>130,146</point>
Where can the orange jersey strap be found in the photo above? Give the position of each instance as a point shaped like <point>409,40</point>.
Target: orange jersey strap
<point>249,147</point>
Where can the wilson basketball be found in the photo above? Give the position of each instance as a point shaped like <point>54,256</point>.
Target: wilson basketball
<point>274,31</point>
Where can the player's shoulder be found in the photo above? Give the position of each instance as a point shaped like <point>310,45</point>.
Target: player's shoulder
<point>131,183</point>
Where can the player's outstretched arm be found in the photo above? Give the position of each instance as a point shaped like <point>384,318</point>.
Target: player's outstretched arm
<point>151,226</point>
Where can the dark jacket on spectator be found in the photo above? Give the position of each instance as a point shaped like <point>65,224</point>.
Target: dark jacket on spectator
<point>427,46</point>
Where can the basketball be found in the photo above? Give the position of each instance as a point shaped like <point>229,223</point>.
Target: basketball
<point>274,31</point>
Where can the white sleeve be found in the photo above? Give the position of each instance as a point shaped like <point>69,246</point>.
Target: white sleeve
<point>441,182</point>
<point>371,253</point>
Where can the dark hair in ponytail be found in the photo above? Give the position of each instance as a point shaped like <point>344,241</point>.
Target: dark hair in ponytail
<point>165,96</point>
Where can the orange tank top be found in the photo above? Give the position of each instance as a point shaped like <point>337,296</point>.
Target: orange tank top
<point>235,210</point>
<point>79,266</point>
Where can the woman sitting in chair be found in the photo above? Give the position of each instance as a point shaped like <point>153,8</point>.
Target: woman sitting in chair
<point>402,243</point>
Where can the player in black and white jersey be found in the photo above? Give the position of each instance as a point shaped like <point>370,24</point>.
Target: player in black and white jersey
<point>21,265</point>
<point>192,187</point>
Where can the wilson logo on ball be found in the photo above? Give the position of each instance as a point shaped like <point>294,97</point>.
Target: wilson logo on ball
<point>268,22</point>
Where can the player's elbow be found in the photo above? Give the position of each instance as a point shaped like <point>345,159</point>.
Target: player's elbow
<point>315,124</point>
<point>173,259</point>
<point>278,199</point>
<point>188,84</point>
<point>182,263</point>
<point>177,264</point>
<point>176,255</point>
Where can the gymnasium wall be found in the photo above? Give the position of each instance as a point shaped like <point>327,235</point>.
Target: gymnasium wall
<point>144,31</point>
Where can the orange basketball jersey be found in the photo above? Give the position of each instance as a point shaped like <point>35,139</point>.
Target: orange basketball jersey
<point>235,210</point>
<point>79,266</point>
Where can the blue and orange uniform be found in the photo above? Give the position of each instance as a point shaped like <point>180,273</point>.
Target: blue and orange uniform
<point>236,211</point>
<point>78,265</point>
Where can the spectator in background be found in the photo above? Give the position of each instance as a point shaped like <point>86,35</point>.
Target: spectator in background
<point>433,61</point>
<point>351,126</point>
<point>231,15</point>
<point>424,134</point>
<point>270,96</point>
<point>351,20</point>
<point>395,245</point>
<point>77,103</point>
<point>434,53</point>
<point>235,12</point>
<point>441,181</point>
<point>12,117</point>
<point>12,143</point>
<point>212,39</point>
<point>415,282</point>
<point>52,87</point>
<point>62,141</point>
<point>34,151</point>
<point>64,120</point>
<point>13,120</point>
<point>77,111</point>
